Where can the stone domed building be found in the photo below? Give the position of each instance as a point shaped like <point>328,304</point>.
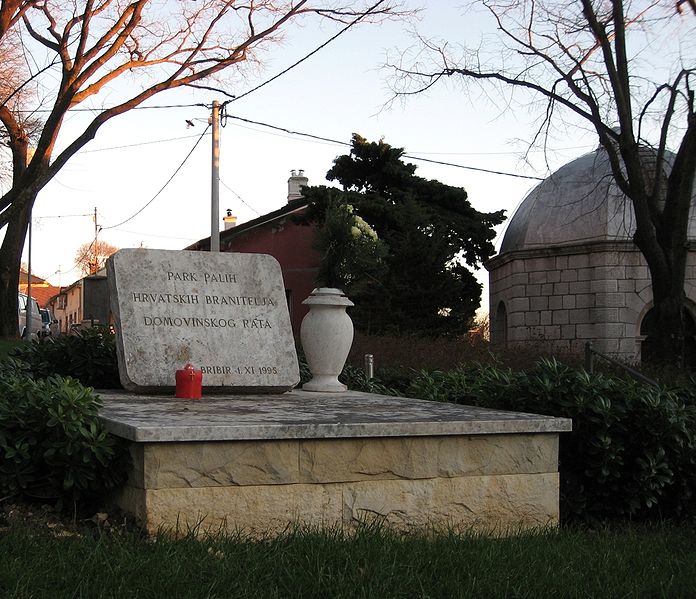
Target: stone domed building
<point>568,271</point>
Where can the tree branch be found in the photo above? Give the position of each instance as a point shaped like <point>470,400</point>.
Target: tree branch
<point>11,11</point>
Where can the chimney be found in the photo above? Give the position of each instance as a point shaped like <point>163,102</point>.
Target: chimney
<point>296,182</point>
<point>229,220</point>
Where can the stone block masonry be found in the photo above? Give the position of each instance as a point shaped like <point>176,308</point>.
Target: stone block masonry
<point>261,464</point>
<point>224,313</point>
<point>594,292</point>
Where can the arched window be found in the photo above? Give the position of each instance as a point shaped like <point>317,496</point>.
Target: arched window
<point>499,326</point>
<point>648,327</point>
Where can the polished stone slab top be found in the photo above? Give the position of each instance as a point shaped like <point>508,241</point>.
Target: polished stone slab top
<point>305,415</point>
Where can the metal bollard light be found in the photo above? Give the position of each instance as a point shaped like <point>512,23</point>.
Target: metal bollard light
<point>589,358</point>
<point>369,366</point>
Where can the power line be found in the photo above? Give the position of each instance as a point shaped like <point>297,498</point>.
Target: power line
<point>158,236</point>
<point>257,130</point>
<point>70,187</point>
<point>61,216</point>
<point>178,168</point>
<point>241,199</point>
<point>312,53</point>
<point>509,153</point>
<point>474,168</point>
<point>142,143</point>
<point>322,140</point>
<point>197,104</point>
<point>253,89</point>
<point>97,110</point>
<point>290,131</point>
<point>77,262</point>
<point>411,157</point>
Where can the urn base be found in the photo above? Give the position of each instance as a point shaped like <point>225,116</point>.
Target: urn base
<point>325,383</point>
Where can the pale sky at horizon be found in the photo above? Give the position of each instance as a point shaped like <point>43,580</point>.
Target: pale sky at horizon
<point>339,91</point>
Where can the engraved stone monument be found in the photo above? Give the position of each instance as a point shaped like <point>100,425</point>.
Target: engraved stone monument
<point>224,313</point>
<point>262,463</point>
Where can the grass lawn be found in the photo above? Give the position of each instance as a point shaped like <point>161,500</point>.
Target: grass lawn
<point>632,561</point>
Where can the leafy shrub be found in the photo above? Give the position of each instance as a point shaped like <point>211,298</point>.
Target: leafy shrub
<point>632,451</point>
<point>7,345</point>
<point>89,357</point>
<point>52,443</point>
<point>356,380</point>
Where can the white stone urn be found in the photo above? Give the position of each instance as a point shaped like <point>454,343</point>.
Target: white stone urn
<point>326,334</point>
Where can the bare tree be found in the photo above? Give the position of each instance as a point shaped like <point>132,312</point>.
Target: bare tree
<point>627,70</point>
<point>16,92</point>
<point>12,11</point>
<point>91,256</point>
<point>80,50</point>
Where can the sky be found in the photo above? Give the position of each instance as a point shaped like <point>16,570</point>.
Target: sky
<point>341,90</point>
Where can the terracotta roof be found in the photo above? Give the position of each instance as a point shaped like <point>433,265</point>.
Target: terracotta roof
<point>34,279</point>
<point>41,292</point>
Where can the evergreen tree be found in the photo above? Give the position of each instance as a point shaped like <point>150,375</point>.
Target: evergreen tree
<point>431,232</point>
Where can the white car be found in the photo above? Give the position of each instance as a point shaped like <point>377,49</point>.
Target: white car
<point>36,322</point>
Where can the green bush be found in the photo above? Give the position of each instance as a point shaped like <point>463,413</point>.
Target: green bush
<point>356,380</point>
<point>7,345</point>
<point>52,443</point>
<point>305,372</point>
<point>89,357</point>
<point>632,451</point>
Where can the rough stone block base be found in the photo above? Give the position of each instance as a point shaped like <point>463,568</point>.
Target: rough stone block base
<point>495,504</point>
<point>491,483</point>
<point>263,466</point>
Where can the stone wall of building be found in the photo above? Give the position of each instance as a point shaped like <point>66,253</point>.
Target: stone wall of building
<point>569,295</point>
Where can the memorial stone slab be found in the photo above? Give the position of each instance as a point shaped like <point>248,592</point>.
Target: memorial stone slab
<point>224,313</point>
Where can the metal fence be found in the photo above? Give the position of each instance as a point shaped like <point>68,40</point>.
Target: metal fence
<point>591,354</point>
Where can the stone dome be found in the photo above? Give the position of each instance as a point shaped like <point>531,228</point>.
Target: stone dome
<point>579,203</point>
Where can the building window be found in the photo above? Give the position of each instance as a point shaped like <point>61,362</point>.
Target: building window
<point>499,333</point>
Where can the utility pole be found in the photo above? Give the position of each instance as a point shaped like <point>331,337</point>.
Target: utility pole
<point>215,181</point>
<point>28,313</point>
<point>95,254</point>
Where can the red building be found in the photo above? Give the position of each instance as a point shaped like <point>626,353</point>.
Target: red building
<point>277,234</point>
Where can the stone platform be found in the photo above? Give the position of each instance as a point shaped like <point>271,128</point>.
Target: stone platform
<point>262,463</point>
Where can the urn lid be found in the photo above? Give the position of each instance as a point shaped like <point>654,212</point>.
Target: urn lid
<point>327,296</point>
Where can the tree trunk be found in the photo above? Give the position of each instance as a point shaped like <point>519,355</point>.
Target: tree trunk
<point>669,334</point>
<point>667,267</point>
<point>10,264</point>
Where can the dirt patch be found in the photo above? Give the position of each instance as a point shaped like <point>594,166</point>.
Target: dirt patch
<point>48,519</point>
